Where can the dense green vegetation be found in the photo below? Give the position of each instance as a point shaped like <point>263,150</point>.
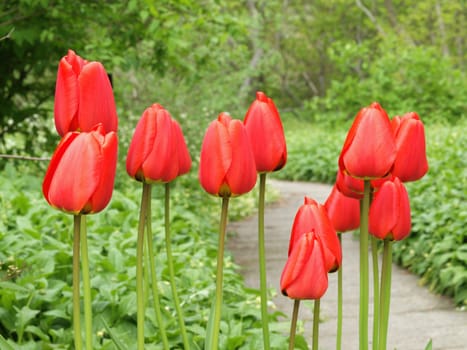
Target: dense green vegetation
<point>320,60</point>
<point>36,257</point>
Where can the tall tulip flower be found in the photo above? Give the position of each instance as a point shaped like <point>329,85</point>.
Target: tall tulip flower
<point>79,85</point>
<point>157,152</point>
<point>264,127</point>
<point>79,180</point>
<point>344,213</point>
<point>369,150</point>
<point>81,173</point>
<point>227,167</point>
<point>266,133</point>
<point>410,163</point>
<point>389,220</point>
<point>314,250</point>
<point>368,153</point>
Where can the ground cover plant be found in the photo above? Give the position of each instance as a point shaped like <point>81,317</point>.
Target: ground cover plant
<point>36,253</point>
<point>435,249</point>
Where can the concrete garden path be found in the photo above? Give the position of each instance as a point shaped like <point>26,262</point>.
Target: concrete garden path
<point>416,314</point>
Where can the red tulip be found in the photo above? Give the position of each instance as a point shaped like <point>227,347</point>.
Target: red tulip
<point>304,275</point>
<point>369,149</point>
<point>390,211</point>
<point>343,211</point>
<point>83,96</point>
<point>264,127</point>
<point>348,185</point>
<point>158,152</point>
<point>411,163</point>
<point>227,166</point>
<point>81,173</point>
<point>312,217</point>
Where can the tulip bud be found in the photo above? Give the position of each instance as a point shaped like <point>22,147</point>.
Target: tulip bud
<point>312,216</point>
<point>390,211</point>
<point>157,152</point>
<point>227,165</point>
<point>81,173</point>
<point>343,211</point>
<point>410,163</point>
<point>304,275</point>
<point>369,149</point>
<point>264,127</point>
<point>83,96</point>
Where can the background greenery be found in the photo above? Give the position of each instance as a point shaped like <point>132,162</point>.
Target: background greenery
<point>320,61</point>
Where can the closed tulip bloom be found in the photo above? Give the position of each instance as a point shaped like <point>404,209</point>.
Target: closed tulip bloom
<point>227,166</point>
<point>81,173</point>
<point>390,212</point>
<point>264,127</point>
<point>157,152</point>
<point>410,163</point>
<point>83,96</point>
<point>348,185</point>
<point>369,150</point>
<point>305,275</point>
<point>343,211</point>
<point>312,217</point>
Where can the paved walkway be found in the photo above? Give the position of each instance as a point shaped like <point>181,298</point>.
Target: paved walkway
<point>416,314</point>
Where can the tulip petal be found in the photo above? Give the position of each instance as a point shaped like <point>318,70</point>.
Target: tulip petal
<point>141,143</point>
<point>184,158</point>
<point>96,100</point>
<point>76,175</point>
<point>103,193</point>
<point>161,164</point>
<point>241,175</point>
<point>215,158</point>
<point>66,98</point>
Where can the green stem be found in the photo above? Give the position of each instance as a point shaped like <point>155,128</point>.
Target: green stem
<point>262,262</point>
<point>363,315</point>
<point>386,272</point>
<point>86,285</point>
<point>339,302</point>
<point>76,298</point>
<point>316,324</point>
<point>293,324</point>
<point>168,247</point>
<point>376,309</point>
<point>219,276</point>
<point>152,267</point>
<point>139,266</point>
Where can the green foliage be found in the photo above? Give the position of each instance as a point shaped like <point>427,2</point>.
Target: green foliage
<point>312,151</point>
<point>437,247</point>
<point>36,258</point>
<point>397,78</point>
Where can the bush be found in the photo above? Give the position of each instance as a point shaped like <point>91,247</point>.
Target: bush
<point>402,79</point>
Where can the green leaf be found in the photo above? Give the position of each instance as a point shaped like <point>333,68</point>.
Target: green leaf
<point>429,346</point>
